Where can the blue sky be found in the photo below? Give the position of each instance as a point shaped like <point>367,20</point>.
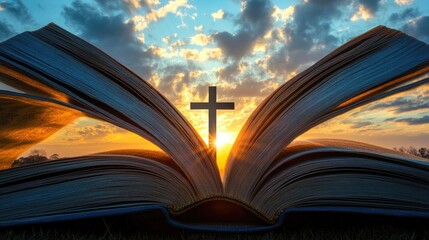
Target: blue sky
<point>246,48</point>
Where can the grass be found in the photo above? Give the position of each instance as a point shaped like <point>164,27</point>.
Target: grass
<point>152,225</point>
<point>389,231</point>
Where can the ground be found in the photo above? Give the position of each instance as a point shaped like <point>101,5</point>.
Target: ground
<point>330,228</point>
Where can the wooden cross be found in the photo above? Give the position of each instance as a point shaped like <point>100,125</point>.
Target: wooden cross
<point>212,106</point>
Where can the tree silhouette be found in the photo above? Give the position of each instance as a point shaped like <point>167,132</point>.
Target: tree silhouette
<point>424,152</point>
<point>421,152</point>
<point>38,152</point>
<point>35,156</point>
<point>54,157</point>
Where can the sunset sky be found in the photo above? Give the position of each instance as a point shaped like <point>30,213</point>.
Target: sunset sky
<point>245,48</point>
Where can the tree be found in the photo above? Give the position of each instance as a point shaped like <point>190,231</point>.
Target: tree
<point>54,157</point>
<point>413,151</point>
<point>421,152</point>
<point>402,150</point>
<point>38,152</point>
<point>424,152</point>
<point>35,156</point>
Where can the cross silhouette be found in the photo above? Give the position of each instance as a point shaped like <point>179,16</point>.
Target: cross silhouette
<point>212,106</point>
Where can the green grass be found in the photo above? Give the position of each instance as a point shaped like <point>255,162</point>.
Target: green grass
<point>351,232</point>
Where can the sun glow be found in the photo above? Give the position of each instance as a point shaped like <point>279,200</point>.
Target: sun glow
<point>224,142</point>
<point>224,138</point>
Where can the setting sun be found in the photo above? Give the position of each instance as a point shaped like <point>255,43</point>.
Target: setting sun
<point>224,138</point>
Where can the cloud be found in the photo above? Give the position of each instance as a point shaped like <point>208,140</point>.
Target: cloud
<point>202,90</point>
<point>115,5</point>
<point>170,7</point>
<point>283,14</point>
<point>125,5</point>
<point>182,84</point>
<point>414,121</point>
<point>189,54</point>
<point>112,34</point>
<point>371,5</point>
<point>202,55</point>
<point>218,15</point>
<point>247,88</point>
<point>177,44</point>
<point>406,14</point>
<point>228,73</point>
<point>366,9</point>
<point>185,83</point>
<point>183,14</point>
<point>175,80</point>
<point>244,80</point>
<point>155,15</point>
<point>254,22</point>
<point>403,2</point>
<point>237,71</point>
<point>356,125</point>
<point>169,39</point>
<point>198,28</point>
<point>243,92</point>
<point>98,27</point>
<point>404,104</point>
<point>308,37</point>
<point>201,39</point>
<point>6,30</point>
<point>418,28</point>
<point>96,131</point>
<point>390,119</point>
<point>18,10</point>
<point>92,132</point>
<point>362,13</point>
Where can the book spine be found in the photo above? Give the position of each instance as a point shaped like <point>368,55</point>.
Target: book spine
<point>182,209</point>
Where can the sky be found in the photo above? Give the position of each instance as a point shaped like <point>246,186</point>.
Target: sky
<point>245,48</point>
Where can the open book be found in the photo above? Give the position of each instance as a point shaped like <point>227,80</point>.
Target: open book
<point>61,77</point>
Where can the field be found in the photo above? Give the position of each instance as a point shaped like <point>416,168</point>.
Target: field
<point>330,228</point>
<point>378,232</point>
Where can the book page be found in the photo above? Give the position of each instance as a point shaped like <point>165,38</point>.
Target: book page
<point>26,122</point>
<point>342,174</point>
<point>93,185</point>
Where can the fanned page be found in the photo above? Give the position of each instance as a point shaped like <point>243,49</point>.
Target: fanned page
<point>96,185</point>
<point>53,67</point>
<point>371,66</point>
<point>25,122</point>
<point>343,176</point>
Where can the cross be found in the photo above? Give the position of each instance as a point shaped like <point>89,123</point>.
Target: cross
<point>212,106</point>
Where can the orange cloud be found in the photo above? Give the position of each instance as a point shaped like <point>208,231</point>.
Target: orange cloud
<point>403,2</point>
<point>201,39</point>
<point>362,13</point>
<point>141,22</point>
